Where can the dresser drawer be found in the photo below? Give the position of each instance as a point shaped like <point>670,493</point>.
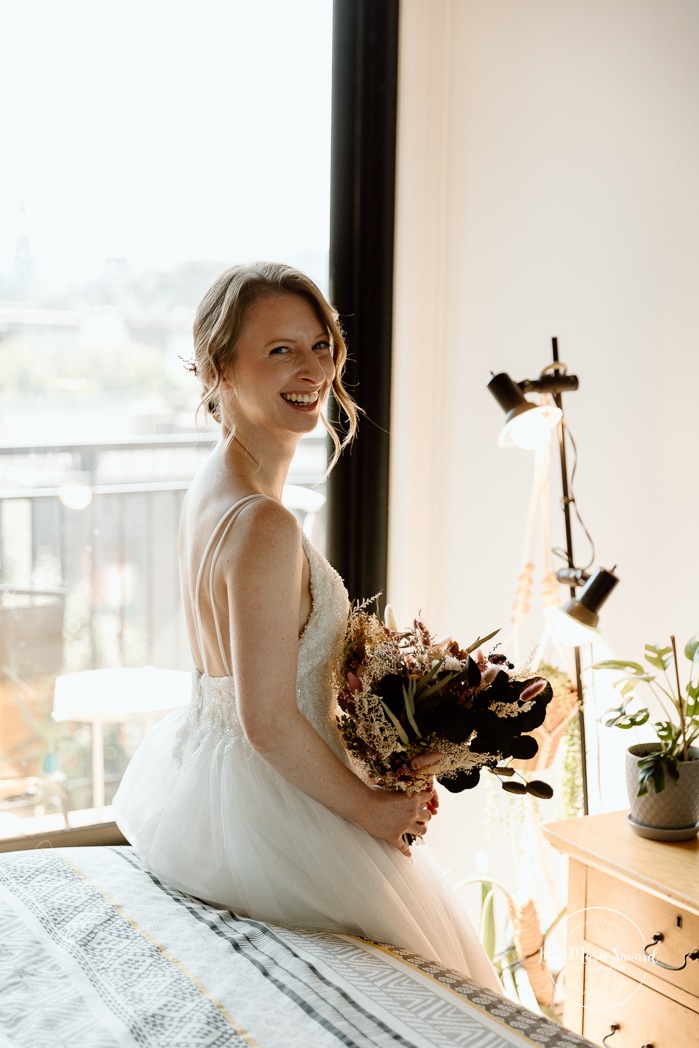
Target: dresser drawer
<point>644,1016</point>
<point>639,917</point>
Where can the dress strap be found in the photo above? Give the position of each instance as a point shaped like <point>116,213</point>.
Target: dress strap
<point>217,539</point>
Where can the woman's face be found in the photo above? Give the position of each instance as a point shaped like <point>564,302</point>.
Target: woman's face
<point>283,367</point>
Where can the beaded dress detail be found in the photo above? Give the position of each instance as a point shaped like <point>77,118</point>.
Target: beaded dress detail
<point>212,818</point>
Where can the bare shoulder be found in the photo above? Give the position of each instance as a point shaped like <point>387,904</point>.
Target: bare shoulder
<point>265,517</point>
<point>266,538</point>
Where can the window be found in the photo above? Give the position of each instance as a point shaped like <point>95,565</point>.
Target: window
<point>146,147</point>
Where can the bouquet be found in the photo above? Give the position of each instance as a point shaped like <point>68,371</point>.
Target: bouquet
<point>402,695</point>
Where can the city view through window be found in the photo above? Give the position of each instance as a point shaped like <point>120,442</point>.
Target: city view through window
<point>146,146</point>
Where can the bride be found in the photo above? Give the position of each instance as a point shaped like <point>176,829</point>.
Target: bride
<point>246,798</point>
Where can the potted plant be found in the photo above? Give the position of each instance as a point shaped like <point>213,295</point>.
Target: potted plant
<point>662,777</point>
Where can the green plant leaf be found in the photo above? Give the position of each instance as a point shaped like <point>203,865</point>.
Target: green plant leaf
<point>691,706</point>
<point>658,778</point>
<point>538,788</point>
<point>691,648</point>
<point>633,669</point>
<point>652,769</point>
<point>659,657</point>
<point>621,719</point>
<point>514,787</point>
<point>667,732</point>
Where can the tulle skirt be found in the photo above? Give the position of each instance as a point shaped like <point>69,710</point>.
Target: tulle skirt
<point>217,822</point>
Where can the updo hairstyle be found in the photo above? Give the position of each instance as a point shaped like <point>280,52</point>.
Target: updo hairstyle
<point>221,316</point>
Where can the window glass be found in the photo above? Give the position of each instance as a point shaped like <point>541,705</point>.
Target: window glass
<point>146,146</point>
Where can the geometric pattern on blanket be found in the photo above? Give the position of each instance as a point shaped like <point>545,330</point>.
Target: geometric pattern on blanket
<point>96,953</point>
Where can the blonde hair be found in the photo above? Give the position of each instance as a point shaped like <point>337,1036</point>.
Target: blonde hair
<point>221,316</point>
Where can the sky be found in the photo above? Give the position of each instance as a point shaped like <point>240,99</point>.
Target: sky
<point>163,130</point>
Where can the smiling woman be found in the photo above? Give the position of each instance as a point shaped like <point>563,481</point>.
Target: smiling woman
<point>253,774</point>
<point>284,354</point>
<point>263,334</point>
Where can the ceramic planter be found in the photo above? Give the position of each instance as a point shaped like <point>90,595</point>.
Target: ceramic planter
<point>672,814</point>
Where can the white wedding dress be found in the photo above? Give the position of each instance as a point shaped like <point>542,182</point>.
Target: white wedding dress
<point>213,819</point>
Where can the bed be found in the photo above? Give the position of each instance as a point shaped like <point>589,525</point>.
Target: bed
<point>95,952</point>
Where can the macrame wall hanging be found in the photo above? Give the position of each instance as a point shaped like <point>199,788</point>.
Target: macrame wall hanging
<point>548,656</point>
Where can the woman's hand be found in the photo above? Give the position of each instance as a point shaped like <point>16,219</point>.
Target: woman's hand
<point>422,762</point>
<point>393,814</point>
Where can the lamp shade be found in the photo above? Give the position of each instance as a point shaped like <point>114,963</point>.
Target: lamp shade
<point>508,394</point>
<point>585,608</point>
<point>527,425</point>
<point>576,622</point>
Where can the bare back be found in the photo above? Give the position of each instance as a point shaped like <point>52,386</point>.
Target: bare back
<point>217,517</point>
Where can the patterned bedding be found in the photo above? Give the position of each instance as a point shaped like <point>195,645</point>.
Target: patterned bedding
<point>96,953</point>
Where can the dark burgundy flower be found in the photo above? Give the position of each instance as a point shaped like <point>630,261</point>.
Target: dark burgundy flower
<point>390,688</point>
<point>525,747</point>
<point>534,717</point>
<point>445,716</point>
<point>462,780</point>
<point>473,674</point>
<point>498,659</point>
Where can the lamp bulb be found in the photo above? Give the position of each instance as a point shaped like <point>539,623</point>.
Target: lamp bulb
<point>530,429</point>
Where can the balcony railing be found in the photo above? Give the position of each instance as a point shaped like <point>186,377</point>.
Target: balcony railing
<point>89,580</point>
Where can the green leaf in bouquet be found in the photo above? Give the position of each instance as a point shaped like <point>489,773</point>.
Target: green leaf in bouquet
<point>409,690</point>
<point>539,788</point>
<point>514,787</point>
<point>691,648</point>
<point>480,642</point>
<point>506,772</point>
<point>422,686</point>
<point>438,685</point>
<point>402,734</point>
<point>425,688</point>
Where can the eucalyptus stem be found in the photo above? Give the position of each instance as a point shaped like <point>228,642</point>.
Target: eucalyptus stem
<point>680,704</point>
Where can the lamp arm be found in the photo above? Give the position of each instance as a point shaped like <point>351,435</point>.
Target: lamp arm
<point>555,383</point>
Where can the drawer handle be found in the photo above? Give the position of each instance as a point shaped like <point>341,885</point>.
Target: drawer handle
<point>612,1030</point>
<point>691,955</point>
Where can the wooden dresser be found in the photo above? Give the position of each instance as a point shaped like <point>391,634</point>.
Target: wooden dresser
<point>623,892</point>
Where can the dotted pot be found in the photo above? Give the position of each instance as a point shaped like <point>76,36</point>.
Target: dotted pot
<point>674,812</point>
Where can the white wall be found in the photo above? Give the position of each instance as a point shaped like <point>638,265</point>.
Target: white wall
<point>548,184</point>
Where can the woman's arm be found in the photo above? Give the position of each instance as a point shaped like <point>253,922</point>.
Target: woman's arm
<point>263,574</point>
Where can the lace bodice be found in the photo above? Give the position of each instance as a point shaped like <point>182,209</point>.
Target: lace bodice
<point>212,709</point>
